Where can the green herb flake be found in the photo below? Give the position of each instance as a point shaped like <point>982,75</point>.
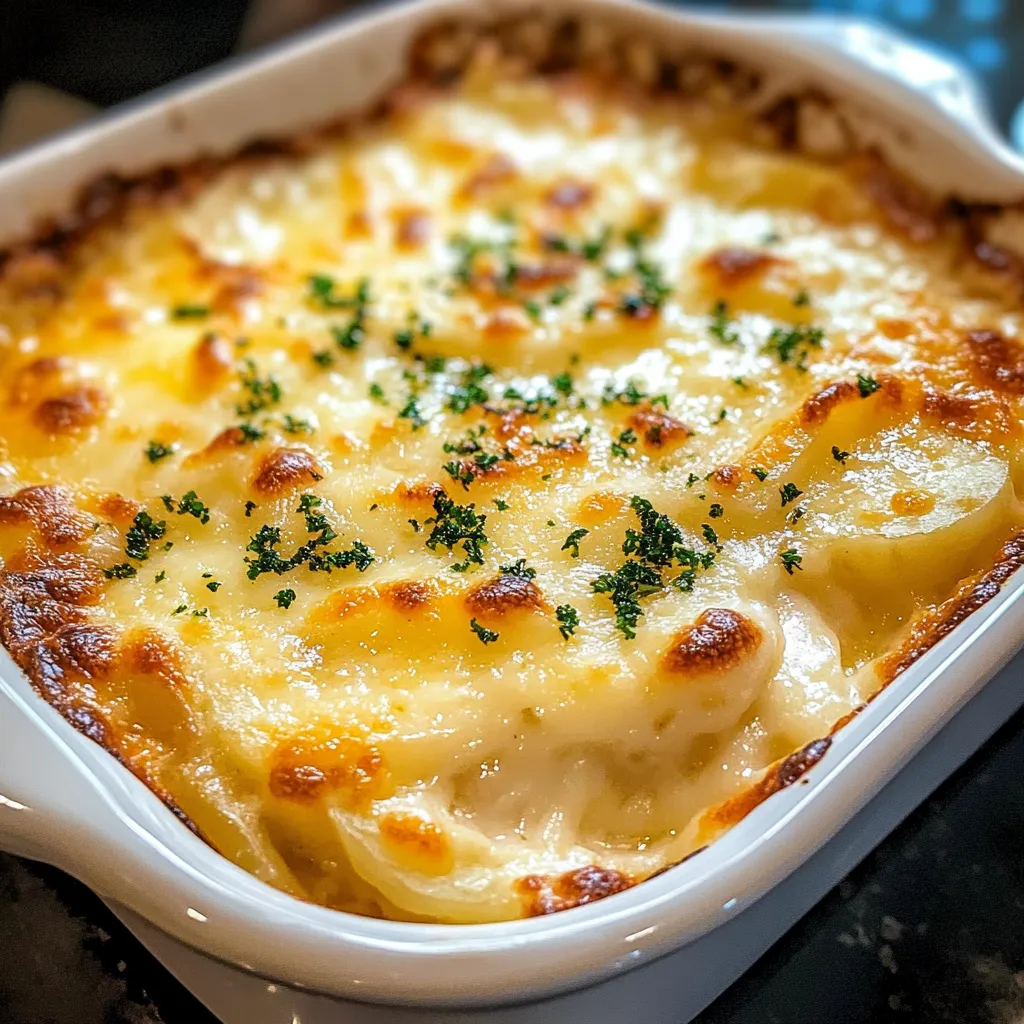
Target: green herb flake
<point>122,571</point>
<point>716,511</point>
<point>140,534</point>
<point>791,560</point>
<point>568,620</point>
<point>213,586</point>
<point>284,598</point>
<point>761,474</point>
<point>720,328</point>
<point>572,542</point>
<point>519,568</point>
<point>839,455</point>
<point>501,505</point>
<point>487,636</point>
<point>155,451</point>
<point>189,311</point>
<point>789,492</point>
<point>867,385</point>
<point>296,426</point>
<point>160,576</point>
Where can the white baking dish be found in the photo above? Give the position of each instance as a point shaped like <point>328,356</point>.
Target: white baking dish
<point>66,801</point>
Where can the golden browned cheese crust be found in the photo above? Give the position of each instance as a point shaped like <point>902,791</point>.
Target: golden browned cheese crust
<point>465,513</point>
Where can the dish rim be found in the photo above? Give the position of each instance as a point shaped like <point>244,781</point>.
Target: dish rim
<point>140,856</point>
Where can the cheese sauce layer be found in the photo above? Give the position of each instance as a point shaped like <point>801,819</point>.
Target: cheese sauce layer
<point>469,515</point>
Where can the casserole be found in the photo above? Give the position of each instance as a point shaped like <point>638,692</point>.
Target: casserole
<point>316,933</point>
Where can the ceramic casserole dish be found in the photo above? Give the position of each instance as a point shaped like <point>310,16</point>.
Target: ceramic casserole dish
<point>829,89</point>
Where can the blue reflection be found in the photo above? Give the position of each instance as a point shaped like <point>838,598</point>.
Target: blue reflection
<point>981,10</point>
<point>986,53</point>
<point>914,10</point>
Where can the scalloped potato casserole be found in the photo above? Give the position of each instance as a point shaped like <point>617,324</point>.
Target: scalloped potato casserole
<point>470,511</point>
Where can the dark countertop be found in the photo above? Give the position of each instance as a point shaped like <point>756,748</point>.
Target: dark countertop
<point>929,929</point>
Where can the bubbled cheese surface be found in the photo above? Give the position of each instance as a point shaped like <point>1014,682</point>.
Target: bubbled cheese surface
<point>548,306</point>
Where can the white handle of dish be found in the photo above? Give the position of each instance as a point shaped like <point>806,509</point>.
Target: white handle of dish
<point>44,795</point>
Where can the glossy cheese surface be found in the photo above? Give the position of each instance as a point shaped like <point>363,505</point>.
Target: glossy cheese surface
<point>463,518</point>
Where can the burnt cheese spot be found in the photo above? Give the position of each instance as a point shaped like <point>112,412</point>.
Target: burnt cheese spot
<point>31,381</point>
<point>285,469</point>
<point>999,360</point>
<point>309,769</point>
<point>542,894</point>
<point>718,641</point>
<point>71,412</point>
<point>657,428</point>
<point>417,844</point>
<point>213,359</point>
<point>504,594</point>
<point>50,511</point>
<point>727,477</point>
<point>778,777</point>
<point>118,508</point>
<point>150,652</point>
<point>732,265</point>
<point>412,228</point>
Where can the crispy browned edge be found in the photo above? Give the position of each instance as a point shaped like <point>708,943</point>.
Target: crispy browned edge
<point>436,59</point>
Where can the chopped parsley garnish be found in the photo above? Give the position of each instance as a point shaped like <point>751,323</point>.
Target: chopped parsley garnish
<point>143,530</point>
<point>249,506</point>
<point>761,474</point>
<point>716,511</point>
<point>572,542</point>
<point>213,586</point>
<point>122,571</point>
<point>532,308</point>
<point>568,620</point>
<point>562,383</point>
<point>709,535</point>
<point>519,568</point>
<point>250,433</point>
<point>794,344</point>
<point>501,505</point>
<point>322,293</point>
<point>559,295</point>
<point>631,394</point>
<point>190,505</point>
<point>323,357</point>
<point>720,329</point>
<point>740,383</point>
<point>692,479</point>
<point>284,598</point>
<point>867,385</point>
<point>659,545</point>
<point>201,613</point>
<point>630,582</point>
<point>802,298</point>
<point>469,392</point>
<point>188,311</point>
<point>181,608</point>
<point>789,492</point>
<point>619,447</point>
<point>376,392</point>
<point>457,524</point>
<point>487,636</point>
<point>160,576</point>
<point>269,560</point>
<point>411,412</point>
<point>403,338</point>
<point>155,451</point>
<point>796,515</point>
<point>791,560</point>
<point>263,391</point>
<point>294,426</point>
<point>839,455</point>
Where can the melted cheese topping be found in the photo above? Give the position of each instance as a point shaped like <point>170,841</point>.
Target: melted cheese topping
<point>489,498</point>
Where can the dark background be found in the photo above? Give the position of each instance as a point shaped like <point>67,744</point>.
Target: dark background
<point>928,929</point>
